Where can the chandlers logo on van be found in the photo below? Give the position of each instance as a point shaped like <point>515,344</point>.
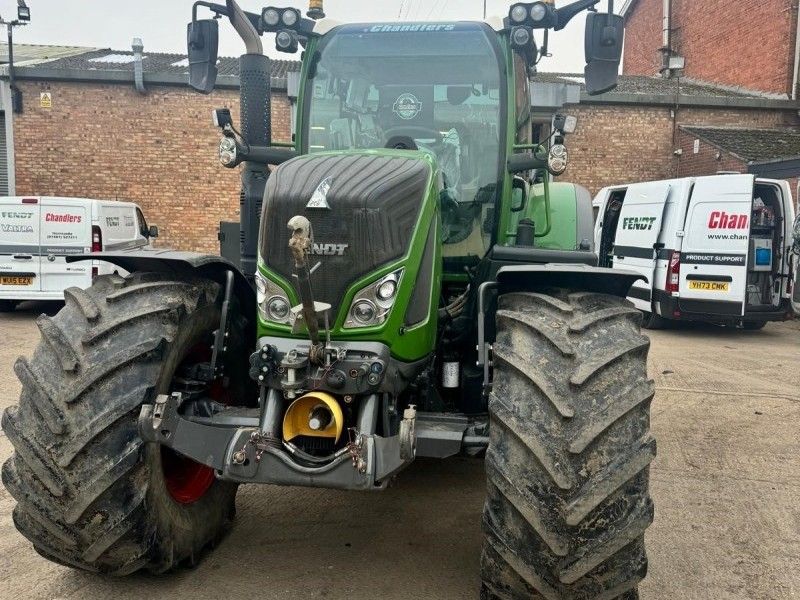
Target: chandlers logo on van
<point>733,260</point>
<point>65,218</point>
<point>719,219</point>
<point>329,249</point>
<point>638,223</point>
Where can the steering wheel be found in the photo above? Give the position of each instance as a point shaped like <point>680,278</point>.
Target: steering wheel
<point>398,137</point>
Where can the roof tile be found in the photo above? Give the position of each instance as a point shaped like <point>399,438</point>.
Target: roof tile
<point>751,145</point>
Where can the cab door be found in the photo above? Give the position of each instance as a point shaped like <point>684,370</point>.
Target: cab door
<point>636,241</point>
<point>66,230</point>
<point>713,277</point>
<point>19,246</point>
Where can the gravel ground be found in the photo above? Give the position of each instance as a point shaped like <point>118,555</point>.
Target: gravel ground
<point>726,485</point>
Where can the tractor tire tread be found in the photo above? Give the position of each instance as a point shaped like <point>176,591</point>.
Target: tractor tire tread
<point>570,450</point>
<point>80,474</point>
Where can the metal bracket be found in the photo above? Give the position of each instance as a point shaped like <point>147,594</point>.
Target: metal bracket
<point>483,348</point>
<point>221,334</point>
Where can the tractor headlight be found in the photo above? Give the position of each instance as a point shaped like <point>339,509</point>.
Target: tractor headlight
<point>364,312</point>
<point>372,305</point>
<point>538,12</point>
<point>271,16</point>
<point>518,13</point>
<point>228,152</point>
<point>273,304</point>
<point>557,159</point>
<point>290,17</point>
<point>278,309</point>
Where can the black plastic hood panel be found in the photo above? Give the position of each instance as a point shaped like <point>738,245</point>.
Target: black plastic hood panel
<point>373,204</point>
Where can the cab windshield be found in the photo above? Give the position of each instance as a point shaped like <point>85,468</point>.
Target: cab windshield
<point>433,87</point>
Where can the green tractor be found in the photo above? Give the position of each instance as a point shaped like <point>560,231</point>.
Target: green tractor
<point>412,284</point>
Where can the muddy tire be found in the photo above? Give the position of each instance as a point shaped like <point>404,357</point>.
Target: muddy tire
<point>90,494</point>
<point>567,465</point>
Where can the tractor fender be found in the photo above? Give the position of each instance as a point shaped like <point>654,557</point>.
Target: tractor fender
<point>577,277</point>
<point>178,262</point>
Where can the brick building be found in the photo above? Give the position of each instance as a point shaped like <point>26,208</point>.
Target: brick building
<point>86,131</point>
<point>637,132</point>
<point>752,44</point>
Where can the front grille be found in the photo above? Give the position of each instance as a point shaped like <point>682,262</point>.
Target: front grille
<point>374,203</point>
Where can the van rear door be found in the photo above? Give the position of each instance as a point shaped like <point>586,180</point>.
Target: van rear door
<point>66,230</point>
<point>19,246</point>
<point>636,241</point>
<point>716,241</point>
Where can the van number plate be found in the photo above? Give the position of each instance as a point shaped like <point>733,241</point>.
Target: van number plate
<point>6,280</point>
<point>709,286</point>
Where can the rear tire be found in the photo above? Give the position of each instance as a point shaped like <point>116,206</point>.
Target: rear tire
<point>570,447</point>
<point>7,306</point>
<point>90,494</point>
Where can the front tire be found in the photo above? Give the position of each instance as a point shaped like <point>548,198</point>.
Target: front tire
<point>568,460</point>
<point>90,494</point>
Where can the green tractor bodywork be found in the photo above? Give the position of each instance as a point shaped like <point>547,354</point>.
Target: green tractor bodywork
<point>414,283</point>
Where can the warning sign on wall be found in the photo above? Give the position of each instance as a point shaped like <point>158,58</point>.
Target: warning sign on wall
<point>46,100</point>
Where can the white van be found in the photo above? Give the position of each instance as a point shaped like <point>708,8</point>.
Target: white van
<point>37,233</point>
<point>714,249</point>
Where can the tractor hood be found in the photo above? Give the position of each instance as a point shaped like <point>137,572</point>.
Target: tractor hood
<point>363,209</point>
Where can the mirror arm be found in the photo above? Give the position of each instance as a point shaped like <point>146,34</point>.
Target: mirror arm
<point>566,13</point>
<point>218,9</point>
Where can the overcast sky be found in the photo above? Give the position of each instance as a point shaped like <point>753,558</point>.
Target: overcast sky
<point>162,23</point>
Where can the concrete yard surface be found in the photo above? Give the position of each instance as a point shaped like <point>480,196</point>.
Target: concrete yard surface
<point>726,486</point>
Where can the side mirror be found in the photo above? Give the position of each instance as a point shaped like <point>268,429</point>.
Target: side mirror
<point>152,232</point>
<point>605,34</point>
<point>202,39</point>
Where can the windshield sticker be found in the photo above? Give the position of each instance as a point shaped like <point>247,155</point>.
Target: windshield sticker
<point>411,27</point>
<point>407,107</point>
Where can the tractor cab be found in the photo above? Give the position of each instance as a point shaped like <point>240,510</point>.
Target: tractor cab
<point>438,88</point>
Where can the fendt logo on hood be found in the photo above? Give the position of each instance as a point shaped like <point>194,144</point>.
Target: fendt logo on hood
<point>329,249</point>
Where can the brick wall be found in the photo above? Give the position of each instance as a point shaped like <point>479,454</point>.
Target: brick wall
<point>708,160</point>
<point>643,39</point>
<point>158,150</point>
<point>747,43</point>
<point>626,144</point>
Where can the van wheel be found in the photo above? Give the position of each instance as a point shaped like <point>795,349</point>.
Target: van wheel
<point>90,494</point>
<point>7,306</point>
<point>653,321</point>
<point>754,325</point>
<point>570,447</point>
